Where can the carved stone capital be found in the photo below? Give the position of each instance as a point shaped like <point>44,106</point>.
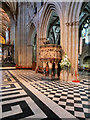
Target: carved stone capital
<point>75,23</point>
<point>67,24</point>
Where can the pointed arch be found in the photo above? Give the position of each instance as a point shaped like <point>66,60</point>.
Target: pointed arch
<point>47,10</point>
<point>32,29</point>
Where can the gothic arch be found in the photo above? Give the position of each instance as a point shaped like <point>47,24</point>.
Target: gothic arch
<point>86,56</point>
<point>30,33</point>
<point>47,10</point>
<point>30,45</point>
<point>73,11</point>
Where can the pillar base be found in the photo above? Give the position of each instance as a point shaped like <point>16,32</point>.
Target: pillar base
<point>75,79</point>
<point>65,75</point>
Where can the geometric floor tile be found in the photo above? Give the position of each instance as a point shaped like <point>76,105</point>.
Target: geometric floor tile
<point>73,98</point>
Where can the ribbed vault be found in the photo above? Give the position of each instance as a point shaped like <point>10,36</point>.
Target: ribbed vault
<point>4,21</point>
<point>85,13</point>
<point>11,4</point>
<point>48,9</point>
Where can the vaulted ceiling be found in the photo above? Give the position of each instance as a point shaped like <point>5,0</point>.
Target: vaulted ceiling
<point>85,12</point>
<point>8,11</point>
<point>12,5</point>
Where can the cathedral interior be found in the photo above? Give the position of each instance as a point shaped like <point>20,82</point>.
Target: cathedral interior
<point>44,60</point>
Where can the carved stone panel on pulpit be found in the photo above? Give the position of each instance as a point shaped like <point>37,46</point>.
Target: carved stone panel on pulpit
<point>50,51</point>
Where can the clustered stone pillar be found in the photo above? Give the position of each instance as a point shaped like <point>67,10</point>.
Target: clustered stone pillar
<point>22,30</point>
<point>72,51</point>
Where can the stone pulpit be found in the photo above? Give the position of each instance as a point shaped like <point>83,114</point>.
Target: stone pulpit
<point>50,54</point>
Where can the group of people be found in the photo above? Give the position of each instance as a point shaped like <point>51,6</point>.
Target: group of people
<point>40,69</point>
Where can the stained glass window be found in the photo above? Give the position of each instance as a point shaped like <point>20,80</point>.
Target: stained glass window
<point>2,40</point>
<point>86,33</point>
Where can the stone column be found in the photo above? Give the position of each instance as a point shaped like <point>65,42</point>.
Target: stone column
<point>44,68</point>
<point>16,45</point>
<point>75,49</point>
<point>69,41</point>
<point>39,39</point>
<point>50,69</point>
<point>18,35</point>
<point>61,74</point>
<point>56,67</point>
<point>22,34</point>
<point>13,39</point>
<point>29,55</point>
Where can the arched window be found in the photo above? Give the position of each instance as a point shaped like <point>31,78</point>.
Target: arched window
<point>35,8</point>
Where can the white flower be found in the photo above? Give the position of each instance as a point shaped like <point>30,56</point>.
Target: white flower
<point>65,61</point>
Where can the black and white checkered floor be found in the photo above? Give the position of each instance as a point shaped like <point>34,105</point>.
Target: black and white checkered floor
<point>24,95</point>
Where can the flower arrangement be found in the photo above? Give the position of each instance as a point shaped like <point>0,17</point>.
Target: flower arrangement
<point>65,62</point>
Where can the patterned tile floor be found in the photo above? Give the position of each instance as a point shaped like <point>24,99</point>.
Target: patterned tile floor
<point>70,98</point>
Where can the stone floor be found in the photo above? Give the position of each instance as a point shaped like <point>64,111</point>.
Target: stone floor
<point>23,95</point>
